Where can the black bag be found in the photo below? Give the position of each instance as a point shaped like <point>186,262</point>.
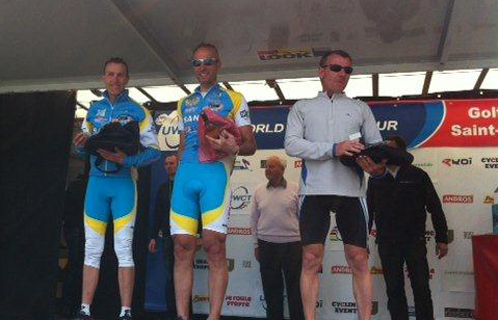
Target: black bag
<point>114,135</point>
<point>379,152</point>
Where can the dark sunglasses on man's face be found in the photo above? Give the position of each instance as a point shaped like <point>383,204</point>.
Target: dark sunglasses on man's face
<point>338,68</point>
<point>207,62</point>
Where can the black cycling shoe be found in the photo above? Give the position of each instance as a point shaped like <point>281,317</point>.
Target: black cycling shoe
<point>126,316</point>
<point>83,316</point>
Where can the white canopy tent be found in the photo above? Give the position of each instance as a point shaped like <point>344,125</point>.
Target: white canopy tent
<point>62,44</point>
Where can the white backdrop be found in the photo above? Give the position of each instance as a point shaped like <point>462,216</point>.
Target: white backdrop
<point>465,185</point>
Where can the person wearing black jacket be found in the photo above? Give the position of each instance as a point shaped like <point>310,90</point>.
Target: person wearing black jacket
<point>160,228</point>
<point>399,199</point>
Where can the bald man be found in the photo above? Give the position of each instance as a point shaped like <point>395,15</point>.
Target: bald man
<point>277,243</point>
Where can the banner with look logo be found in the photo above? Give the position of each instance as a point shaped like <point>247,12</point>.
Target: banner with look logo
<point>454,141</point>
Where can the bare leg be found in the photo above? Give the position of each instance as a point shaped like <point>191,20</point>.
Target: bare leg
<point>126,279</point>
<point>357,259</point>
<point>214,244</point>
<point>183,272</point>
<point>312,260</point>
<point>90,281</point>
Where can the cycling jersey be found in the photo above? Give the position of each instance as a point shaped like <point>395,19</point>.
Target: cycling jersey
<point>123,110</point>
<point>202,190</point>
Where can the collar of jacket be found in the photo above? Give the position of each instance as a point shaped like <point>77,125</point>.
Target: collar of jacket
<point>123,96</point>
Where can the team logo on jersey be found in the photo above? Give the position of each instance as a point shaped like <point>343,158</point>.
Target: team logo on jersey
<point>244,114</point>
<point>100,113</point>
<point>192,101</point>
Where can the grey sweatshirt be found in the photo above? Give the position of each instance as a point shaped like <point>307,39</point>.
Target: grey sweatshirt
<point>274,213</point>
<point>313,127</point>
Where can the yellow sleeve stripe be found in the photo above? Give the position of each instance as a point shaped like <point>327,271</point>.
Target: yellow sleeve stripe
<point>145,122</point>
<point>179,107</point>
<point>237,101</point>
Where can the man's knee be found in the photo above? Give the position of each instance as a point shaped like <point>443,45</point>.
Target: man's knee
<point>184,247</point>
<point>124,252</point>
<point>215,246</point>
<point>312,260</point>
<point>357,259</point>
<point>94,247</point>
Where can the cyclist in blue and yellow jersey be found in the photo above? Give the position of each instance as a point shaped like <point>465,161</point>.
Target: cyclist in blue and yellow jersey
<point>111,187</point>
<point>202,190</point>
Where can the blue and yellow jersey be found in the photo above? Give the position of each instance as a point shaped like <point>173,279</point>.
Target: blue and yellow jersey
<point>123,110</point>
<point>226,103</point>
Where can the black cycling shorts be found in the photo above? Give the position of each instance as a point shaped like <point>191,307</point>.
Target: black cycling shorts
<point>351,217</point>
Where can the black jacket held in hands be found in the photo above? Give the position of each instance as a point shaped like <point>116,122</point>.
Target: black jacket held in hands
<point>400,205</point>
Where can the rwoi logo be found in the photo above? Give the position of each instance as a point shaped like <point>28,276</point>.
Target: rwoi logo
<point>457,162</point>
<point>238,301</point>
<point>459,313</point>
<point>454,198</point>
<point>350,307</point>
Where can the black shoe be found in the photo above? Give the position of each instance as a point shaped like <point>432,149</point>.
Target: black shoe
<point>126,316</point>
<point>83,316</point>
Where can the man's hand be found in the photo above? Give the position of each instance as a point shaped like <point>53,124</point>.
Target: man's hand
<point>80,139</point>
<point>441,249</point>
<point>152,246</point>
<point>118,156</point>
<point>226,143</point>
<point>370,167</point>
<point>348,148</point>
<point>256,253</point>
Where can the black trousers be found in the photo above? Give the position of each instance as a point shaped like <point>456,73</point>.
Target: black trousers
<point>393,255</point>
<point>275,259</point>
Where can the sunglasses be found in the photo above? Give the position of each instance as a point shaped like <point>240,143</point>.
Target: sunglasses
<point>338,68</point>
<point>206,61</point>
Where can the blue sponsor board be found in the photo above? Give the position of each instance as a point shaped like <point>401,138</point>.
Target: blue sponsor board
<point>269,124</point>
<point>415,122</point>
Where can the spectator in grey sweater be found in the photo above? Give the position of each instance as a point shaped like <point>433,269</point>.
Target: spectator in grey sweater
<point>275,227</point>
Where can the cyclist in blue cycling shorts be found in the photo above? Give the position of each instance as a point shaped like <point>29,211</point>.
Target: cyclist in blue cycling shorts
<point>111,190</point>
<point>202,190</point>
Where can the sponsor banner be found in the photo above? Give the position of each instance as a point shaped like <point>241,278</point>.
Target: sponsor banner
<point>269,126</point>
<point>463,178</point>
<point>467,123</point>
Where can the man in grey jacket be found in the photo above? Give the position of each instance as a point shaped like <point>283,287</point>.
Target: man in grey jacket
<point>320,130</point>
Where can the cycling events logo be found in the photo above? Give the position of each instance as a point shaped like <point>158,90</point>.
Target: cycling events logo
<point>241,198</point>
<point>242,164</point>
<point>168,135</point>
<point>460,199</point>
<point>350,307</point>
<point>457,162</point>
<point>490,162</point>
